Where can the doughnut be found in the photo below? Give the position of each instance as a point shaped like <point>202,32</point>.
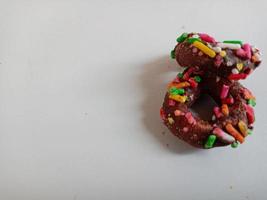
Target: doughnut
<point>212,68</point>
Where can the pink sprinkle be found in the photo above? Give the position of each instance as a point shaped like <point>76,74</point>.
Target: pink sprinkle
<point>224,91</point>
<point>217,112</point>
<point>241,53</point>
<point>185,129</point>
<point>194,50</point>
<point>190,118</point>
<point>247,49</point>
<point>200,53</point>
<point>205,37</point>
<point>171,102</point>
<point>178,113</point>
<point>250,114</point>
<point>223,136</point>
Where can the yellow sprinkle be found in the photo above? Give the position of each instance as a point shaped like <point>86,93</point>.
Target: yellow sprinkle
<point>243,128</point>
<point>179,85</point>
<point>204,49</point>
<point>239,66</point>
<point>225,109</point>
<point>171,121</point>
<point>178,98</point>
<point>223,53</point>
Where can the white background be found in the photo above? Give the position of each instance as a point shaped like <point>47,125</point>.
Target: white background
<point>81,84</point>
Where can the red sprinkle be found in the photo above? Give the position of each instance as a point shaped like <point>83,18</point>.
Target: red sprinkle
<point>187,74</point>
<point>237,76</point>
<point>229,100</point>
<point>192,82</point>
<point>162,114</point>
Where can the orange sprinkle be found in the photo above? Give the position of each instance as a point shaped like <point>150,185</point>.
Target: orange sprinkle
<point>225,109</point>
<point>179,85</point>
<point>230,129</point>
<point>243,128</point>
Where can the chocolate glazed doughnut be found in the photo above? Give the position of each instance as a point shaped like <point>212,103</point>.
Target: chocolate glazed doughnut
<point>212,68</point>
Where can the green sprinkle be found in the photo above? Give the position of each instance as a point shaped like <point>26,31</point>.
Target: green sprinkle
<point>172,54</point>
<point>210,142</point>
<point>234,144</point>
<point>182,37</point>
<point>252,102</point>
<point>192,40</point>
<point>175,91</point>
<point>249,131</point>
<point>198,79</point>
<point>180,75</point>
<point>233,42</point>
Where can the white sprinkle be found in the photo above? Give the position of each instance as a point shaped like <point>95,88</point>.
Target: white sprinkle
<point>229,63</point>
<point>195,36</point>
<point>229,46</point>
<point>217,49</point>
<point>235,71</point>
<point>257,56</point>
<point>213,118</point>
<point>218,79</point>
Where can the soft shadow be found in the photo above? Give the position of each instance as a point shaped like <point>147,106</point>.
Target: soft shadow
<point>154,79</point>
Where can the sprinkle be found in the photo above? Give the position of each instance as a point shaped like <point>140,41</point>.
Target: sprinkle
<point>228,101</point>
<point>225,109</point>
<point>247,49</point>
<point>192,40</point>
<point>224,91</point>
<point>210,141</point>
<point>252,102</point>
<point>205,37</point>
<point>243,128</point>
<point>171,102</point>
<point>192,82</point>
<point>230,129</point>
<point>179,85</point>
<point>182,37</point>
<point>237,76</point>
<point>247,94</point>
<point>204,49</point>
<point>229,63</point>
<point>217,49</point>
<point>217,78</point>
<point>217,112</point>
<point>234,145</point>
<point>233,42</point>
<point>171,121</point>
<point>235,71</point>
<point>223,136</point>
<point>223,53</point>
<point>241,53</point>
<point>190,118</point>
<point>198,79</point>
<point>194,50</point>
<point>185,129</point>
<point>180,75</point>
<point>229,46</point>
<point>249,132</point>
<point>175,91</point>
<point>173,54</point>
<point>178,113</point>
<point>162,114</point>
<point>250,114</point>
<point>178,98</point>
<point>188,72</point>
<point>239,66</point>
<point>213,118</point>
<point>256,57</point>
<point>195,36</point>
